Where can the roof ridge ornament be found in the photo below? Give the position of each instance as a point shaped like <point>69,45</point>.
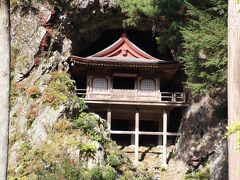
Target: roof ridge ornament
<point>124,35</point>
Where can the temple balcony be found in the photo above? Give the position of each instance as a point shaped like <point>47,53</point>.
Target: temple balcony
<point>126,96</point>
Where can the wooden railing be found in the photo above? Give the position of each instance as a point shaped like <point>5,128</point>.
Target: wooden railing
<point>132,95</point>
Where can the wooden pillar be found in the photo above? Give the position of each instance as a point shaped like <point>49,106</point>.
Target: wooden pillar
<point>132,124</point>
<point>136,136</point>
<point>88,86</point>
<point>160,129</point>
<point>165,137</point>
<point>109,118</point>
<point>233,86</point>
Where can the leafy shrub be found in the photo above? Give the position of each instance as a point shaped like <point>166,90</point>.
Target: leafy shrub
<point>96,173</point>
<point>54,98</point>
<point>70,171</point>
<point>59,90</point>
<point>33,92</point>
<point>114,159</point>
<point>89,124</point>
<point>62,125</point>
<point>203,174</point>
<point>79,104</point>
<point>86,122</point>
<point>63,79</point>
<point>127,175</point>
<point>110,174</point>
<point>88,150</point>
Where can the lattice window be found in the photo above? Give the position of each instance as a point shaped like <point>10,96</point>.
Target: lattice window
<point>100,84</point>
<point>147,85</point>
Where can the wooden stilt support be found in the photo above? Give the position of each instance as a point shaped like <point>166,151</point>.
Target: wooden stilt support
<point>165,137</point>
<point>160,129</point>
<point>136,136</point>
<point>132,135</point>
<point>109,118</point>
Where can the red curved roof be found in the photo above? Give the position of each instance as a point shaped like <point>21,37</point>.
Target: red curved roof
<point>124,52</point>
<point>124,48</point>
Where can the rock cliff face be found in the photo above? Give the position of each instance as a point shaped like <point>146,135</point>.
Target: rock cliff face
<point>41,46</point>
<point>48,122</point>
<point>202,143</point>
<point>49,129</point>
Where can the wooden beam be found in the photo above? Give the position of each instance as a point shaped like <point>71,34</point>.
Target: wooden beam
<point>123,132</point>
<point>165,137</point>
<point>173,134</point>
<point>136,136</point>
<point>145,133</point>
<point>124,75</point>
<point>150,133</point>
<point>159,133</point>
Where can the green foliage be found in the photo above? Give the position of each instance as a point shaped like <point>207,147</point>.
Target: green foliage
<point>110,173</point>
<point>129,175</point>
<point>96,173</point>
<point>114,159</point>
<point>233,129</point>
<point>88,150</point>
<point>59,90</point>
<point>205,46</point>
<point>51,160</point>
<point>28,158</point>
<point>79,104</point>
<point>170,18</point>
<point>89,124</point>
<point>136,9</point>
<point>164,14</point>
<point>69,170</point>
<point>86,122</point>
<point>203,174</point>
<point>203,35</point>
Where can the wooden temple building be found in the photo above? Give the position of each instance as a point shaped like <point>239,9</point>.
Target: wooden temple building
<point>123,83</point>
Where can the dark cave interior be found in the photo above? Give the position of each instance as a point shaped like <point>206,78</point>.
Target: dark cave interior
<point>143,39</point>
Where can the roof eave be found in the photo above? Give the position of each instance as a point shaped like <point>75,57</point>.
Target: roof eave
<point>86,61</point>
